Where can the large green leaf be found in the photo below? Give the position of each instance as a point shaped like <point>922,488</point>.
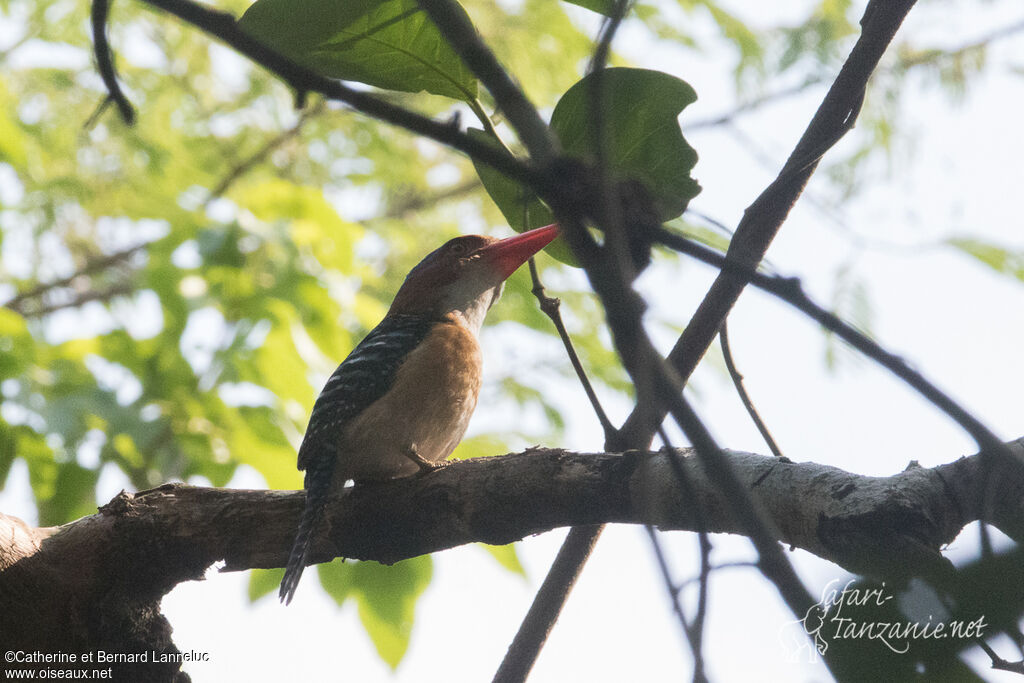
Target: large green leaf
<point>517,203</point>
<point>386,596</point>
<point>390,44</point>
<point>640,113</point>
<point>639,110</point>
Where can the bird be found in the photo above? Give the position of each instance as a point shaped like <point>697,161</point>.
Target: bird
<point>400,402</point>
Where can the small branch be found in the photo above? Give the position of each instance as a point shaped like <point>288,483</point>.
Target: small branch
<point>607,194</point>
<point>105,60</point>
<point>417,202</point>
<point>551,306</point>
<point>775,566</point>
<point>694,631</point>
<point>693,638</point>
<point>700,578</point>
<point>579,543</point>
<point>17,303</point>
<point>263,152</point>
<point>100,295</point>
<point>750,105</point>
<point>741,391</point>
<point>998,663</point>
<point>520,113</point>
<point>921,57</point>
<point>547,604</point>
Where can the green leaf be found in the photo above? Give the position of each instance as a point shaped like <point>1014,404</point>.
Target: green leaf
<point>390,44</point>
<point>336,579</point>
<point>605,7</point>
<point>506,556</point>
<point>645,143</point>
<point>73,495</point>
<point>996,257</point>
<point>263,582</point>
<point>480,446</point>
<point>386,597</point>
<point>640,111</point>
<point>387,601</point>
<point>517,203</point>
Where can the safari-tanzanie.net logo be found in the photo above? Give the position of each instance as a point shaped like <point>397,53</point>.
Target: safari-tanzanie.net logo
<point>866,614</point>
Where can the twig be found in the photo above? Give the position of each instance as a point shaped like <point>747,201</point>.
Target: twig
<point>750,105</point>
<point>695,631</point>
<point>715,568</point>
<point>919,58</point>
<point>763,219</point>
<point>18,302</point>
<point>677,607</point>
<point>741,391</point>
<point>417,202</point>
<point>522,653</point>
<point>524,118</point>
<point>223,26</point>
<point>624,308</point>
<point>934,55</point>
<point>102,295</point>
<point>242,167</point>
<point>550,306</point>
<point>105,60</point>
<point>773,563</point>
<point>998,662</point>
<point>611,208</point>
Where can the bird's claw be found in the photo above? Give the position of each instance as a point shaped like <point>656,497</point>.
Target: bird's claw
<point>426,466</point>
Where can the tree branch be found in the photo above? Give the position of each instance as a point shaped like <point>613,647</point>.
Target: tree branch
<point>105,61</point>
<point>139,546</point>
<point>763,219</point>
<point>853,520</point>
<point>904,61</point>
<point>18,302</point>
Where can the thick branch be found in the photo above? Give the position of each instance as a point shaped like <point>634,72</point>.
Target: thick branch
<point>176,531</point>
<point>118,563</point>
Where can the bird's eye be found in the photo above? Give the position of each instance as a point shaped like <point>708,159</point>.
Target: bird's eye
<point>458,249</point>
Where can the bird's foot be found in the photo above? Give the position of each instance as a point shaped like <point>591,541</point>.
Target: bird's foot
<point>426,466</point>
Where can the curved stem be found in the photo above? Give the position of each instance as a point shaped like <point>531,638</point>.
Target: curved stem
<point>737,382</point>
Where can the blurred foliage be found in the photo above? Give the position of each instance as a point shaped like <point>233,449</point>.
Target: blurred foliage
<point>385,596</point>
<point>172,295</point>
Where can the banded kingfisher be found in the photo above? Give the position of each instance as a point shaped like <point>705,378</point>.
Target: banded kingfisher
<point>401,401</point>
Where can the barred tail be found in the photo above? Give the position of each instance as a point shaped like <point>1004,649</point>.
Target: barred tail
<point>318,483</point>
